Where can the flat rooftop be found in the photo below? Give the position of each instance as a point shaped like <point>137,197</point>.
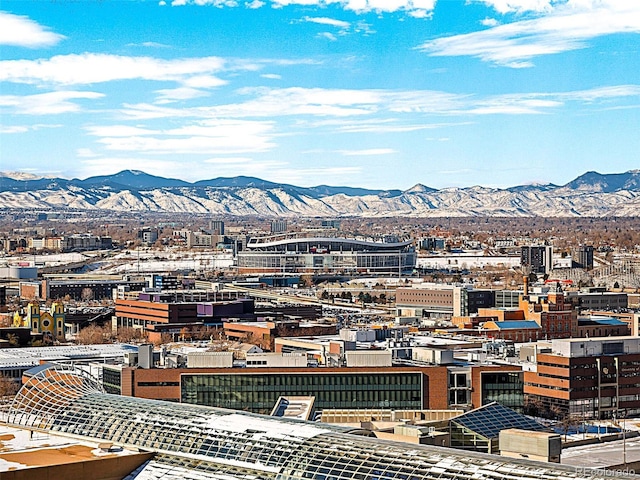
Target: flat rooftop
<point>601,455</point>
<point>22,449</point>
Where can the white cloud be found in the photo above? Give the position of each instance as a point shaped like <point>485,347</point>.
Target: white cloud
<point>148,45</point>
<point>212,3</point>
<point>26,128</point>
<point>367,152</point>
<point>89,68</point>
<point>363,27</point>
<point>14,129</point>
<point>415,8</point>
<point>228,160</point>
<point>273,103</point>
<point>203,81</point>
<point>328,21</point>
<point>188,145</point>
<point>489,22</point>
<point>338,108</point>
<point>514,105</point>
<point>86,153</point>
<point>50,103</point>
<point>271,76</point>
<point>519,6</point>
<point>568,27</point>
<point>396,127</point>
<point>602,93</point>
<point>327,35</point>
<point>118,131</point>
<point>174,94</point>
<point>208,137</point>
<point>19,31</point>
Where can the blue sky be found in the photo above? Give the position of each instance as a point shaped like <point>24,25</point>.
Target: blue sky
<point>367,93</point>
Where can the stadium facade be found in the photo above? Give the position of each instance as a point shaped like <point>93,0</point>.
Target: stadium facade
<point>326,254</point>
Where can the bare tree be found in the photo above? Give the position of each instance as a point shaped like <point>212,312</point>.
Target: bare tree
<point>94,335</point>
<point>8,386</point>
<point>87,294</point>
<point>129,334</point>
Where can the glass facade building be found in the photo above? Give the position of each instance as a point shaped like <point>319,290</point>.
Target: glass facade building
<point>259,392</point>
<point>506,388</point>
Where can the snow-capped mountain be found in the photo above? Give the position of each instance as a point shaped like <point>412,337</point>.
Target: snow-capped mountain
<point>591,194</point>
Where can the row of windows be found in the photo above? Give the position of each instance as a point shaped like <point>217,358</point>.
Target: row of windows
<point>259,393</point>
<point>334,380</point>
<point>546,387</point>
<point>370,260</point>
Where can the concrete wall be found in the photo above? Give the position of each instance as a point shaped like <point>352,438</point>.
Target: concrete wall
<point>210,359</point>
<point>541,446</point>
<point>368,358</point>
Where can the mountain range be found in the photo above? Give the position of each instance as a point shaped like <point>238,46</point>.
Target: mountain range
<point>591,194</point>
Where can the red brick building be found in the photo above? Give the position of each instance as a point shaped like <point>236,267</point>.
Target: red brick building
<point>586,378</point>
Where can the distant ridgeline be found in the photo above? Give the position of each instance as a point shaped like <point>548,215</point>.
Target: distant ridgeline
<point>590,195</point>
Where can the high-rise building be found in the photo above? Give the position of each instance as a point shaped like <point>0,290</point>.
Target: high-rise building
<point>216,227</point>
<point>278,226</point>
<point>585,257</point>
<point>537,258</point>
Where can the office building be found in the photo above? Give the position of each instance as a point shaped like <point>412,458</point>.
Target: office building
<point>592,378</point>
<point>441,301</point>
<point>256,389</point>
<point>613,301</point>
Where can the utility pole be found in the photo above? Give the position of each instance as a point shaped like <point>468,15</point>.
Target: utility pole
<point>624,438</point>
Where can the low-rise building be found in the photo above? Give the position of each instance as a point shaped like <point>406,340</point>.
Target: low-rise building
<point>441,301</point>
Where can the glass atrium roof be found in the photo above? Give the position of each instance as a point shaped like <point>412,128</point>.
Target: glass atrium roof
<point>225,444</point>
<point>489,419</point>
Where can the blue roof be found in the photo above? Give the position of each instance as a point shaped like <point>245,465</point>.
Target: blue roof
<point>516,324</point>
<point>608,321</point>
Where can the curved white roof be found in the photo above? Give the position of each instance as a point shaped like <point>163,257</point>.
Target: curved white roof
<point>274,241</point>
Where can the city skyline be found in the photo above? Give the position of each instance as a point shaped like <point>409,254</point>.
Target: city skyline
<point>373,94</point>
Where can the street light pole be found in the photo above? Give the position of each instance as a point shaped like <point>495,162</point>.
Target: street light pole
<point>624,438</point>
